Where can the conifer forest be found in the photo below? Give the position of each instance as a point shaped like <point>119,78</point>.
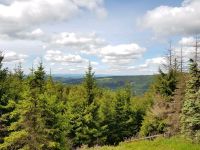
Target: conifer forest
<point>99,75</point>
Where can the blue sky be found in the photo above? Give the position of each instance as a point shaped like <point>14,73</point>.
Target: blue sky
<point>116,36</point>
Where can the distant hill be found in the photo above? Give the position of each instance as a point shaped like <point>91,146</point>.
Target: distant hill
<point>139,83</point>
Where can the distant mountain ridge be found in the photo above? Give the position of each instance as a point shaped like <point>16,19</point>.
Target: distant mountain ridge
<point>139,83</point>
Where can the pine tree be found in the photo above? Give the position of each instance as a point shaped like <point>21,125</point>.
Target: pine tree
<point>190,119</point>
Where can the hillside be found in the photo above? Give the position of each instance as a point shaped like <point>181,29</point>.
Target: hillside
<point>139,83</point>
<point>175,143</point>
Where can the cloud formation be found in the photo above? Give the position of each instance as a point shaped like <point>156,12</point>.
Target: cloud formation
<point>11,56</point>
<point>150,65</point>
<point>84,43</point>
<point>121,54</point>
<point>20,15</point>
<point>58,57</point>
<point>166,20</point>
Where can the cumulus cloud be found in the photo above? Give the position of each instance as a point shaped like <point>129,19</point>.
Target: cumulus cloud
<point>84,43</point>
<point>187,41</point>
<point>188,47</point>
<point>59,57</point>
<point>20,15</point>
<point>11,56</point>
<point>166,20</point>
<point>36,34</point>
<point>121,54</point>
<point>150,65</point>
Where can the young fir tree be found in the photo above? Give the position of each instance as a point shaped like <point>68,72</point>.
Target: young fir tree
<point>190,119</point>
<point>12,96</point>
<point>19,72</point>
<point>128,124</point>
<point>166,82</point>
<point>55,116</point>
<point>38,118</point>
<point>89,85</point>
<point>5,105</point>
<point>85,127</point>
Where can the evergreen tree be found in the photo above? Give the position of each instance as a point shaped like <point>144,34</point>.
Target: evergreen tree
<point>166,82</point>
<point>19,72</point>
<point>90,85</point>
<point>130,121</point>
<point>6,105</point>
<point>85,127</point>
<point>40,123</point>
<point>190,119</point>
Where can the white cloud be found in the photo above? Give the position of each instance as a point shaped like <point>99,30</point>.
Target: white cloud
<point>11,56</point>
<point>121,54</point>
<point>85,43</point>
<point>188,47</point>
<point>36,34</point>
<point>57,56</point>
<point>165,20</point>
<point>150,65</point>
<point>187,41</point>
<point>19,15</point>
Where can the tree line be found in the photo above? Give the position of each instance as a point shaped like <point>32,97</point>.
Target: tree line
<point>39,113</point>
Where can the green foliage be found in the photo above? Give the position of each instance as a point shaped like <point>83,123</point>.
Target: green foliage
<point>152,126</point>
<point>39,118</point>
<point>190,119</point>
<point>130,120</point>
<point>139,83</point>
<point>89,84</point>
<point>84,120</point>
<point>166,82</point>
<point>7,100</point>
<point>43,114</point>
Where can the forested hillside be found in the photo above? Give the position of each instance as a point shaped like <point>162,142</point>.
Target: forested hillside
<point>139,84</point>
<point>37,112</point>
<point>99,74</point>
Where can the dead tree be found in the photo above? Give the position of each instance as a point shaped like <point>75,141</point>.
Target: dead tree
<point>171,60</point>
<point>196,46</point>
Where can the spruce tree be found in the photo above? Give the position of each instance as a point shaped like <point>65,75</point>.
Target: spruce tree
<point>130,120</point>
<point>38,116</point>
<point>190,119</point>
<point>85,127</point>
<point>90,85</point>
<point>6,105</point>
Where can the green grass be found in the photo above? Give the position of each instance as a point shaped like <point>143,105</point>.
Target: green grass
<point>175,143</point>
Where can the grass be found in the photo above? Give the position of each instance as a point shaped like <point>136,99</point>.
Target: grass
<point>174,143</point>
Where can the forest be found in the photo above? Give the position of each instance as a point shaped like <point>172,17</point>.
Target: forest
<point>39,113</point>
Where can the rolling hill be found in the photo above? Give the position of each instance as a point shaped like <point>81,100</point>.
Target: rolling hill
<point>139,83</point>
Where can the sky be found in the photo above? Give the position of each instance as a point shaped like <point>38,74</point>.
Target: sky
<point>118,37</point>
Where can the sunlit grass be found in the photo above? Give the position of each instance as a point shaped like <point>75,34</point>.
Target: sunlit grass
<point>175,143</point>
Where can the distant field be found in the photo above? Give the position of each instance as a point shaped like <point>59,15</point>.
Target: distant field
<point>139,83</point>
<point>158,144</point>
